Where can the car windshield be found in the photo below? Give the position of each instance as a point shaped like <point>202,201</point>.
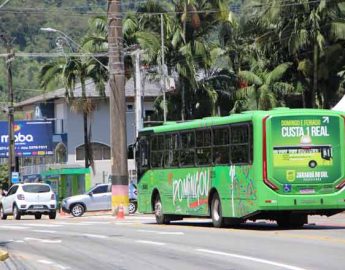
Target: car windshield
<point>36,188</point>
<point>94,189</point>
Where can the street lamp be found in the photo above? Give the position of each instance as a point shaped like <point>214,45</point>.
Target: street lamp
<point>53,30</point>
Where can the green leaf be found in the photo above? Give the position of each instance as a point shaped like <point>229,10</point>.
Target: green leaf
<point>250,78</point>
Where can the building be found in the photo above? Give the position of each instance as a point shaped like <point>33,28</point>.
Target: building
<point>68,133</point>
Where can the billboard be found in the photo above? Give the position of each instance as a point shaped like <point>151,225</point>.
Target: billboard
<point>32,138</point>
<point>306,149</point>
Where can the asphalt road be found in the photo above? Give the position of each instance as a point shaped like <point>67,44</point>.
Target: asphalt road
<point>102,242</point>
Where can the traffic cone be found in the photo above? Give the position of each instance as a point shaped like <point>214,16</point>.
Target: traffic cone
<point>120,212</point>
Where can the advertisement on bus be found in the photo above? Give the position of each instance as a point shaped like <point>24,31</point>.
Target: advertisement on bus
<point>305,150</point>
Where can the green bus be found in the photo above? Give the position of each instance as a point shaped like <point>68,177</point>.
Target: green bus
<point>281,165</point>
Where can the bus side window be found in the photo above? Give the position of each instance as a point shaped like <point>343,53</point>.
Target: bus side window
<point>142,156</point>
<point>240,144</point>
<point>187,152</point>
<point>221,145</point>
<point>157,151</point>
<point>172,154</point>
<point>203,146</point>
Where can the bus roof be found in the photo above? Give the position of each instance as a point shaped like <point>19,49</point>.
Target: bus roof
<point>233,118</point>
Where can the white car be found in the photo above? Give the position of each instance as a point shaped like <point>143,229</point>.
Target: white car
<point>28,199</point>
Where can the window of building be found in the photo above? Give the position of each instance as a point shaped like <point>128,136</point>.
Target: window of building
<point>100,152</point>
<point>60,153</point>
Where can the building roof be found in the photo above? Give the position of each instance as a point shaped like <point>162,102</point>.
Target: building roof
<point>151,89</point>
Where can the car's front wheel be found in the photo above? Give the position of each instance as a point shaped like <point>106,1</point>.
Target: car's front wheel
<point>38,216</point>
<point>16,213</point>
<point>132,207</point>
<point>2,213</point>
<point>77,210</point>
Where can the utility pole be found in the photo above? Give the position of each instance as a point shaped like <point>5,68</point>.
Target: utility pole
<point>138,93</point>
<point>117,104</point>
<point>11,151</point>
<point>163,70</point>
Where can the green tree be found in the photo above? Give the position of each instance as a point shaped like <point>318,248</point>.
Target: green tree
<point>71,71</point>
<point>309,34</point>
<point>264,86</point>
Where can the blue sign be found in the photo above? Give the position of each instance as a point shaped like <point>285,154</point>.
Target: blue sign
<point>15,178</point>
<point>287,188</point>
<point>32,138</point>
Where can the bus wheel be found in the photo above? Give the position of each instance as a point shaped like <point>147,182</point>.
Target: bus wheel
<point>216,212</point>
<point>160,217</point>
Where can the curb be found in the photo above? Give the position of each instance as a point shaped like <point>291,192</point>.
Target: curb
<point>3,255</point>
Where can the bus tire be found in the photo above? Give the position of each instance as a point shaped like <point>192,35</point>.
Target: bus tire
<point>161,218</point>
<point>216,212</point>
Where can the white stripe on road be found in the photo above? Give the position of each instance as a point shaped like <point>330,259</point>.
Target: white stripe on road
<point>44,231</point>
<point>94,235</point>
<point>53,264</point>
<point>45,262</point>
<point>248,258</point>
<point>162,233</point>
<point>150,243</point>
<point>41,225</point>
<point>48,241</point>
<point>95,222</point>
<point>13,227</point>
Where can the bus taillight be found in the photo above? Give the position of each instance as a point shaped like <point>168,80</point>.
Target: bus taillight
<point>341,185</point>
<point>264,157</point>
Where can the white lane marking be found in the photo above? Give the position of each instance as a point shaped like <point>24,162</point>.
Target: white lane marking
<point>151,243</point>
<point>94,222</point>
<point>13,227</point>
<point>95,235</point>
<point>53,264</point>
<point>48,241</point>
<point>83,223</point>
<point>41,225</point>
<point>66,223</point>
<point>248,258</point>
<point>171,233</point>
<point>45,261</point>
<point>19,241</point>
<point>162,233</point>
<point>44,231</point>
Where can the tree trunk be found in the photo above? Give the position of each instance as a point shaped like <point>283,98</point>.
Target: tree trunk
<point>85,115</point>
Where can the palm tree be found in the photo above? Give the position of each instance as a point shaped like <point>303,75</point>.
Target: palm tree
<point>264,86</point>
<point>71,71</point>
<point>302,32</point>
<point>189,47</point>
